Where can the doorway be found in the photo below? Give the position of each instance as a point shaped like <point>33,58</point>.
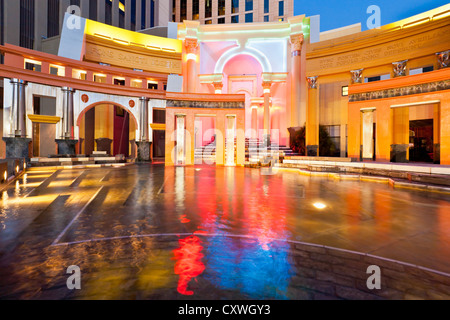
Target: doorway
<point>421,140</point>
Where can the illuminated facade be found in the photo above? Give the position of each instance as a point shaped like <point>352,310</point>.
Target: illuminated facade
<point>380,95</point>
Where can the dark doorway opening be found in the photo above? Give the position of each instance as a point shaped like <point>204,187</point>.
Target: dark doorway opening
<point>159,144</point>
<point>121,132</point>
<point>421,140</point>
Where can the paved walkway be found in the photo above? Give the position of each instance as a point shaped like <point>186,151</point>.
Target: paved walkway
<point>150,232</point>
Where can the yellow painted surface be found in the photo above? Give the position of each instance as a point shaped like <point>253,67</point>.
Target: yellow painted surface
<point>123,36</point>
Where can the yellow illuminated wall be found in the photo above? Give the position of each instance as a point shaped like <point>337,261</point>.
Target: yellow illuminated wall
<point>123,36</point>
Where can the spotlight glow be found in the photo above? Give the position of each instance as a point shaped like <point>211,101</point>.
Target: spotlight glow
<point>319,205</point>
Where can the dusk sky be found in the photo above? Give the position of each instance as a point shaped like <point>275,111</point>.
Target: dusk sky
<point>336,14</point>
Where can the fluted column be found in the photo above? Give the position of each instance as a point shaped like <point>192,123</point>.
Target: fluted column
<point>18,110</point>
<point>312,119</point>
<point>143,143</point>
<point>67,143</point>
<point>17,144</point>
<point>68,113</point>
<point>143,113</point>
<point>191,52</point>
<point>296,41</point>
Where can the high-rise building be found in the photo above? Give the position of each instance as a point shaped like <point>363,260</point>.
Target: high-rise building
<point>27,23</point>
<point>231,11</point>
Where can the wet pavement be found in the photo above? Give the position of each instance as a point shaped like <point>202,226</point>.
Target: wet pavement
<point>150,232</point>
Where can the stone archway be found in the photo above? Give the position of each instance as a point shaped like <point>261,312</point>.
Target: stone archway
<point>109,127</point>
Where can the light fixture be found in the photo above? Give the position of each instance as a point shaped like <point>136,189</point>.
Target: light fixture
<point>24,165</point>
<point>267,91</point>
<point>17,169</point>
<point>5,175</point>
<point>319,205</point>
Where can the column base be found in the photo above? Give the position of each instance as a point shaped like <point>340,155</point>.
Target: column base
<point>143,151</point>
<point>17,147</point>
<point>399,153</point>
<point>312,151</point>
<point>437,153</point>
<point>104,144</point>
<point>67,147</point>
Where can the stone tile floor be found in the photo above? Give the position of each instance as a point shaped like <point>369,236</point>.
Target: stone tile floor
<point>149,232</point>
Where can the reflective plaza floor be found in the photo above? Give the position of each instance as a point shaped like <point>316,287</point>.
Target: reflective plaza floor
<point>150,232</point>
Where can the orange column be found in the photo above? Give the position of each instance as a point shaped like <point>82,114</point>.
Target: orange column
<point>400,143</point>
<point>312,119</point>
<point>266,87</point>
<point>296,62</point>
<point>191,56</point>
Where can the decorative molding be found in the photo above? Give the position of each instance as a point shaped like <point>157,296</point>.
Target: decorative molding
<point>356,76</point>
<point>399,68</point>
<point>191,45</point>
<point>296,41</point>
<point>206,104</point>
<point>85,98</point>
<point>443,59</point>
<point>402,91</point>
<point>132,104</point>
<point>35,118</point>
<point>312,82</point>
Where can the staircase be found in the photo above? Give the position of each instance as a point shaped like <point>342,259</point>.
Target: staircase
<point>97,159</point>
<point>257,154</point>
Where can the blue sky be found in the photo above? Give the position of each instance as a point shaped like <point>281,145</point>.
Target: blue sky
<point>340,13</point>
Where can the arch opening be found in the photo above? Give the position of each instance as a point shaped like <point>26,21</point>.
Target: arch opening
<point>108,127</point>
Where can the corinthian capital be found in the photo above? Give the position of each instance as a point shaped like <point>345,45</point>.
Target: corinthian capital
<point>191,45</point>
<point>296,43</point>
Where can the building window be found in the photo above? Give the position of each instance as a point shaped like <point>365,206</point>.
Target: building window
<point>345,91</point>
<point>221,21</point>
<point>234,6</point>
<point>266,18</point>
<point>53,18</point>
<point>100,78</point>
<point>266,6</point>
<point>119,82</point>
<point>208,9</point>
<point>281,8</point>
<point>152,14</point>
<point>93,9</point>
<point>143,16</point>
<point>133,15</point>
<point>27,23</point>
<point>195,9</point>
<point>174,10</point>
<point>377,78</point>
<point>33,66</point>
<point>248,17</point>
<point>248,5</point>
<point>221,8</point>
<point>108,12</point>
<point>75,3</point>
<point>208,21</point>
<point>122,15</point>
<point>235,19</point>
<point>183,10</point>
<point>152,85</point>
<point>420,70</point>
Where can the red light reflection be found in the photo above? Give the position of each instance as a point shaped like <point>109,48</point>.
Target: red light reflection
<point>189,263</point>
